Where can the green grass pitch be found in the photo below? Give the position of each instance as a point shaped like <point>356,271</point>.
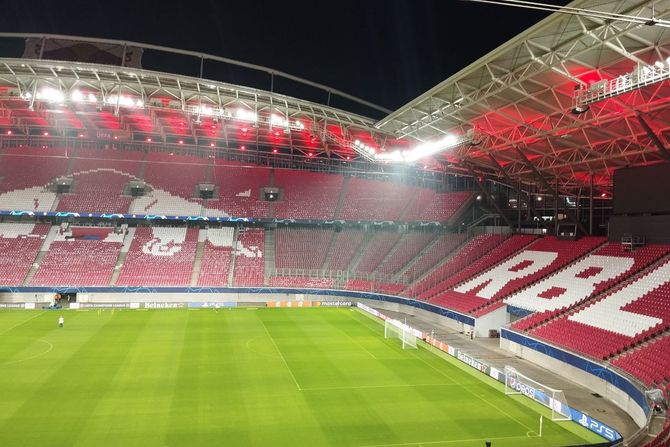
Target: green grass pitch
<point>246,377</point>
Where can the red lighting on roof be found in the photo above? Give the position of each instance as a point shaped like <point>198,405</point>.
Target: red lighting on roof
<point>276,133</point>
<point>244,130</point>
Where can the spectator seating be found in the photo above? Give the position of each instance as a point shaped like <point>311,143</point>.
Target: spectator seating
<point>662,439</point>
<point>177,174</point>
<point>97,191</point>
<point>530,265</point>
<point>301,248</point>
<point>25,174</point>
<point>239,191</point>
<point>310,283</point>
<point>373,200</point>
<point>375,252</point>
<point>362,285</point>
<point>127,162</point>
<point>443,246</point>
<point>249,260</point>
<point>160,256</point>
<point>85,257</point>
<point>409,245</point>
<point>216,258</point>
<point>29,167</point>
<point>613,254</point>
<point>346,245</point>
<point>649,363</point>
<point>307,195</point>
<point>164,203</point>
<point>19,245</point>
<point>433,206</point>
<point>628,315</point>
<point>458,265</point>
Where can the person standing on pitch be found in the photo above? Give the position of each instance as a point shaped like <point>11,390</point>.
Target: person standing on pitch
<point>61,321</point>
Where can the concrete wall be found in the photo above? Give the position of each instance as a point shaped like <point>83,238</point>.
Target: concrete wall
<point>593,382</point>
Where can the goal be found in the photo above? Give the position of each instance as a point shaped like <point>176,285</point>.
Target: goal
<point>395,329</point>
<point>517,383</point>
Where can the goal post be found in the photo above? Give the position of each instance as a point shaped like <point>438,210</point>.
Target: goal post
<point>395,329</point>
<point>517,383</point>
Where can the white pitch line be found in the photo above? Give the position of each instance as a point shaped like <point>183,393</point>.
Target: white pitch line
<point>23,322</point>
<point>13,362</point>
<point>446,441</point>
<point>281,355</point>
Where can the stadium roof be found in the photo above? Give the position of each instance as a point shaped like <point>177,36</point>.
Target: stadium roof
<point>520,97</point>
<point>517,103</point>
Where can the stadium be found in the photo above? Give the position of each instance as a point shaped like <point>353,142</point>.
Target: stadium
<point>191,261</point>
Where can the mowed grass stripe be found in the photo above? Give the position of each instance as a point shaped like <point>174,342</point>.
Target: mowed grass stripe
<point>94,352</point>
<point>170,378</point>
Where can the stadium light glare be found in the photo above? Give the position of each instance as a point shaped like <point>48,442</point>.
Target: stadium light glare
<point>77,96</point>
<point>9,132</point>
<point>124,101</point>
<point>181,141</point>
<point>211,144</point>
<point>246,115</point>
<point>46,134</point>
<point>92,98</point>
<point>148,140</point>
<point>51,95</point>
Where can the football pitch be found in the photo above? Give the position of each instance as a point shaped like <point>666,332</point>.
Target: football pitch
<point>246,377</point>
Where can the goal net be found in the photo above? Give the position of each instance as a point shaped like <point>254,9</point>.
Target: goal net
<point>517,383</point>
<point>395,329</point>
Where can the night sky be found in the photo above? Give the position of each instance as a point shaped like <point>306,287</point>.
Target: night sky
<point>385,51</point>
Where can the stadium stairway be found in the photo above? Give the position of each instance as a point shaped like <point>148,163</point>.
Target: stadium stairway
<point>269,254</point>
<point>197,262</point>
<point>391,253</point>
<point>123,254</point>
<point>407,208</point>
<point>340,199</point>
<point>42,253</point>
<point>399,275</point>
<point>439,265</point>
<point>143,165</point>
<point>231,271</point>
<point>453,220</point>
<point>367,237</point>
<point>329,254</point>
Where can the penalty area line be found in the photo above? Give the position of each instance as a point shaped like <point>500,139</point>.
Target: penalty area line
<point>281,355</point>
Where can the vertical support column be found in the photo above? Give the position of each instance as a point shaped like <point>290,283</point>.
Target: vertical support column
<point>518,207</point>
<point>591,205</point>
<point>556,208</point>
